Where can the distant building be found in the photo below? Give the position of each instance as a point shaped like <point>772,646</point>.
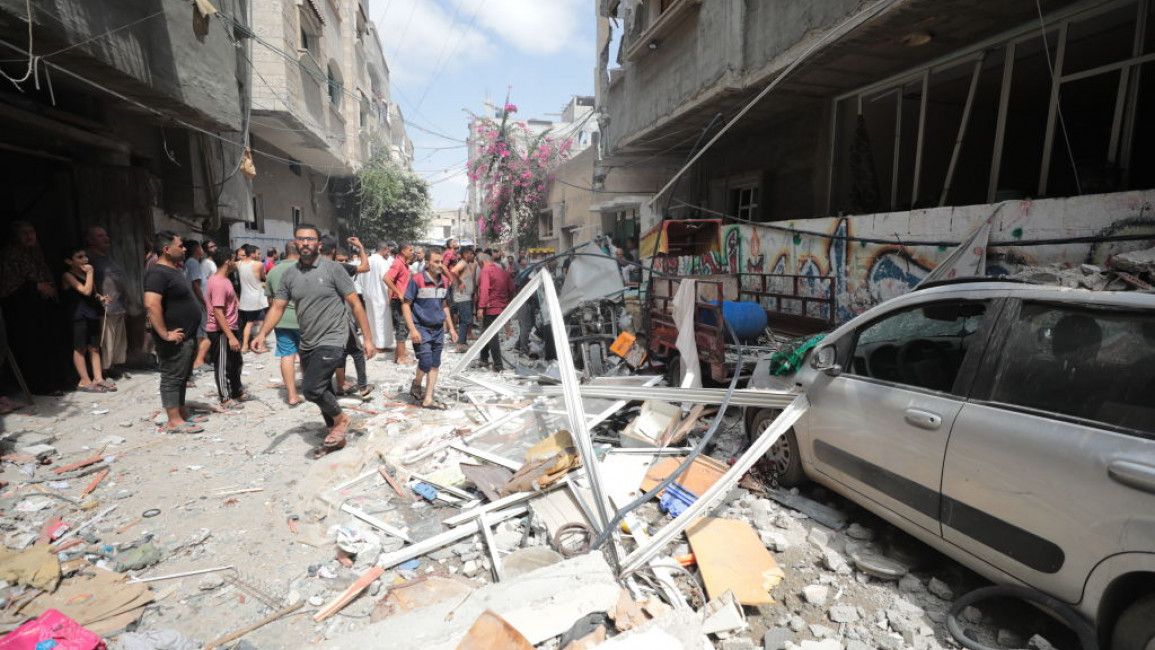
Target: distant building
<point>450,223</point>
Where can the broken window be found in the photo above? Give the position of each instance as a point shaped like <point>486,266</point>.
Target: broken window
<point>744,202</point>
<point>922,347</point>
<point>1029,117</point>
<point>1092,364</point>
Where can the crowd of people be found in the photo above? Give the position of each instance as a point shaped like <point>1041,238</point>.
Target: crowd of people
<point>207,306</point>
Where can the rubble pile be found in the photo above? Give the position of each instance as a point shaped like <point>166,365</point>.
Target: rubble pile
<point>509,520</point>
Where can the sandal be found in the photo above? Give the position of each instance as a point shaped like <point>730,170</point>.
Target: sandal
<point>198,419</point>
<point>435,406</point>
<point>187,427</point>
<point>92,388</point>
<point>108,383</point>
<point>323,450</point>
<point>244,397</point>
<point>233,405</point>
<point>417,391</point>
<point>365,390</point>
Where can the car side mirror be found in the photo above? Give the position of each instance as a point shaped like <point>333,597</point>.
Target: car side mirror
<point>826,360</point>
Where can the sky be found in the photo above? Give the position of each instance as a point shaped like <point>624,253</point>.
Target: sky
<point>446,57</point>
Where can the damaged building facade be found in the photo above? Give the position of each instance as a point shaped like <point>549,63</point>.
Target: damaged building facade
<point>134,115</point>
<point>873,137</point>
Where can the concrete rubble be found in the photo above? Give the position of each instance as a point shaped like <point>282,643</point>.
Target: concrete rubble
<point>238,532</point>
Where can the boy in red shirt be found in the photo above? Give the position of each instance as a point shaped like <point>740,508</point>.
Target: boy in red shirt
<point>223,330</point>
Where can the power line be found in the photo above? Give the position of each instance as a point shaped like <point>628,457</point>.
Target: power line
<point>443,64</point>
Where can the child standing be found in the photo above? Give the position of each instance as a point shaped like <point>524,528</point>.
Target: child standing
<point>223,329</point>
<point>84,308</point>
<point>426,312</point>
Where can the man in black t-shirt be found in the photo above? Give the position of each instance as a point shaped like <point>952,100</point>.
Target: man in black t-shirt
<point>174,313</point>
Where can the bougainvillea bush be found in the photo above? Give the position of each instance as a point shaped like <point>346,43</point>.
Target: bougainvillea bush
<point>511,169</point>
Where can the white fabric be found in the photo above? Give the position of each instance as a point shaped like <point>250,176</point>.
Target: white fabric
<point>252,293</point>
<point>376,296</point>
<point>208,269</point>
<point>968,259</point>
<point>685,303</point>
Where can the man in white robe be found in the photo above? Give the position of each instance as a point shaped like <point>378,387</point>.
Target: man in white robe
<point>376,296</point>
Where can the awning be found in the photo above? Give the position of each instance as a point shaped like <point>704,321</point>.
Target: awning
<point>683,237</point>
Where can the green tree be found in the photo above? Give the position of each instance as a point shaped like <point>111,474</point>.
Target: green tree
<point>392,202</point>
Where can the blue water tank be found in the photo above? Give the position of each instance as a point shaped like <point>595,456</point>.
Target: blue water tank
<point>748,319</point>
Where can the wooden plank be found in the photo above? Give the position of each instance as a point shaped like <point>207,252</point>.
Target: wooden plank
<point>349,594</point>
<point>84,463</point>
<point>731,556</point>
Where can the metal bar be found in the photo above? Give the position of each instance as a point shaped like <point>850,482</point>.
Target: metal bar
<point>487,535</point>
<point>1052,109</point>
<point>573,401</point>
<point>921,132</point>
<point>781,424</point>
<point>474,513</point>
<point>184,574</point>
<point>962,128</point>
<point>485,455</point>
<point>743,397</point>
<point>1130,115</point>
<point>1110,67</point>
<point>389,560</point>
<point>894,165</point>
<point>493,330</point>
<point>1117,118</point>
<point>1001,121</point>
<point>457,492</point>
<point>375,522</point>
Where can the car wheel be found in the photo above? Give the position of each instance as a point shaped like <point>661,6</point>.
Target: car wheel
<point>783,454</point>
<point>1135,629</point>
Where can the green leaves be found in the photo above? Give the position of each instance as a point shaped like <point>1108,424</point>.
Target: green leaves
<point>393,202</point>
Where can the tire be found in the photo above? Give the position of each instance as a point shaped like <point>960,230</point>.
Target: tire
<point>674,372</point>
<point>784,454</point>
<point>1135,629</point>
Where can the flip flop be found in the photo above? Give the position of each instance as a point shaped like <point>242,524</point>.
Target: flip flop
<point>416,391</point>
<point>245,397</point>
<point>234,405</point>
<point>198,419</point>
<point>92,388</point>
<point>435,406</point>
<point>108,383</point>
<point>187,427</point>
<point>324,450</point>
<point>365,390</point>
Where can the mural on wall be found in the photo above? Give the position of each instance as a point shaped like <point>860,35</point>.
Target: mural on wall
<point>867,273</point>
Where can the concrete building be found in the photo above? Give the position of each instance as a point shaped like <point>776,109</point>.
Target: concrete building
<point>873,133</point>
<point>451,223</point>
<point>130,117</point>
<point>321,109</point>
<point>576,123</point>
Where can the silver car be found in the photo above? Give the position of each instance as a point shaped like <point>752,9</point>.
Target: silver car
<point>1009,426</point>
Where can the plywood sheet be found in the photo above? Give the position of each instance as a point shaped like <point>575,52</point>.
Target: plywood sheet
<point>702,474</point>
<point>731,556</point>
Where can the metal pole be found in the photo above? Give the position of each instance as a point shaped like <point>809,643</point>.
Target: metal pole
<point>573,402</point>
<point>1052,107</point>
<point>962,128</point>
<point>492,331</point>
<point>1001,124</point>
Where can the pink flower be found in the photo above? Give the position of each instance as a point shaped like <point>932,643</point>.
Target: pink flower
<point>510,108</point>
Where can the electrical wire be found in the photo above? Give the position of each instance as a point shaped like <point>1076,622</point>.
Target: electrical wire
<point>31,58</point>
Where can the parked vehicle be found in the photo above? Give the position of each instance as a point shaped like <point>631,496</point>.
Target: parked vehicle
<point>1009,426</point>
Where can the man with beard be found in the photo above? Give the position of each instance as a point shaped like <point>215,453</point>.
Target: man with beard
<point>321,290</point>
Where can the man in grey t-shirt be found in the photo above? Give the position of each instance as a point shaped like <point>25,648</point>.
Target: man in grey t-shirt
<point>321,290</point>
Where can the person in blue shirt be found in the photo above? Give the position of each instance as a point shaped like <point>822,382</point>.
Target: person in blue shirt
<point>426,310</point>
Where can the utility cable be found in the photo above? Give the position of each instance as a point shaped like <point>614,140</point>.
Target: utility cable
<point>31,58</point>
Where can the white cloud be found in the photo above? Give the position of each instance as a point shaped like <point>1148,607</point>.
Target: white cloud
<point>535,26</point>
<point>424,36</point>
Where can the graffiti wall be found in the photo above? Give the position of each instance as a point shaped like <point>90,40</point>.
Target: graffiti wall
<point>873,258</point>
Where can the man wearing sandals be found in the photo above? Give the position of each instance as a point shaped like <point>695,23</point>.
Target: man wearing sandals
<point>426,311</point>
<point>175,315</point>
<point>224,329</point>
<point>321,290</point>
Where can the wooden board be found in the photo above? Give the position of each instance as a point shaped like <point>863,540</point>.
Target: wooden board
<point>702,474</point>
<point>731,556</point>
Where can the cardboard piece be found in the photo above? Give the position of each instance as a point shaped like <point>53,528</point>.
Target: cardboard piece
<point>702,474</point>
<point>492,632</point>
<point>731,557</point>
<point>101,602</point>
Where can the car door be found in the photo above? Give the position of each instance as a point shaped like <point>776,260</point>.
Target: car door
<point>881,427</point>
<point>1051,466</point>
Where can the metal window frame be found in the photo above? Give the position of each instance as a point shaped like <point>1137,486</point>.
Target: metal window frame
<point>1056,21</point>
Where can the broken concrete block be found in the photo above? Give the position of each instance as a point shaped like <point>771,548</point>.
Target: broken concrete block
<point>816,594</point>
<point>819,537</point>
<point>890,642</point>
<point>879,566</point>
<point>37,450</point>
<point>910,583</point>
<point>858,645</point>
<point>777,638</point>
<point>843,614</point>
<point>834,561</point>
<point>825,644</point>
<point>1134,262</point>
<point>820,631</point>
<point>797,623</point>
<point>740,643</point>
<point>858,531</point>
<point>940,589</point>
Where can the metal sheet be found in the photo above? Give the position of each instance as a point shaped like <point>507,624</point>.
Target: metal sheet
<point>491,331</point>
